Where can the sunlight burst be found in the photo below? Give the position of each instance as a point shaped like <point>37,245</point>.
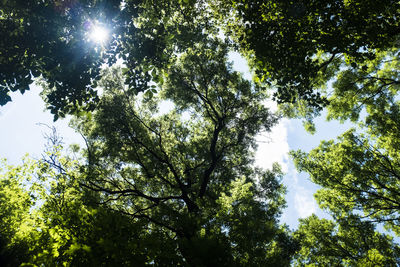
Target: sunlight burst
<point>99,34</point>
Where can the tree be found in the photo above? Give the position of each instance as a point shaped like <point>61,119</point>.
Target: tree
<point>185,179</point>
<point>357,92</point>
<point>359,172</point>
<point>47,218</point>
<point>171,189</point>
<point>350,242</point>
<point>296,45</point>
<point>182,181</point>
<point>16,223</point>
<point>188,172</point>
<point>76,230</point>
<point>50,40</point>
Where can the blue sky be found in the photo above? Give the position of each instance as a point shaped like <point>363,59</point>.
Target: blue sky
<point>21,134</point>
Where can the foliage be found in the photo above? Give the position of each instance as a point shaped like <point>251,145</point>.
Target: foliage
<point>178,187</point>
<point>16,223</point>
<point>359,172</point>
<point>72,224</point>
<point>295,45</point>
<point>66,226</point>
<point>187,171</point>
<point>371,86</point>
<point>182,183</point>
<point>350,242</point>
<point>357,92</point>
<point>50,39</point>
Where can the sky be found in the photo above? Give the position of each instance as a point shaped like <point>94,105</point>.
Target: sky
<point>21,132</point>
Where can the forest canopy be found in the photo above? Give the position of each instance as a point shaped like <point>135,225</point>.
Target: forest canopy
<point>180,187</point>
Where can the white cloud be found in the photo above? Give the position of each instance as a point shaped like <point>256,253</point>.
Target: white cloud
<point>273,147</point>
<point>304,202</point>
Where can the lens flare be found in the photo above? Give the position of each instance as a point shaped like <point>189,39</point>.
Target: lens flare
<point>99,34</point>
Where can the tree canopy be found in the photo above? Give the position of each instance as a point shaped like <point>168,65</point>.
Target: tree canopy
<point>167,175</point>
<point>198,185</point>
<point>359,172</point>
<point>295,44</point>
<point>50,39</point>
<point>349,242</point>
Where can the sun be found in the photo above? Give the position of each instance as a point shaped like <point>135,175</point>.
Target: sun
<point>98,34</point>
